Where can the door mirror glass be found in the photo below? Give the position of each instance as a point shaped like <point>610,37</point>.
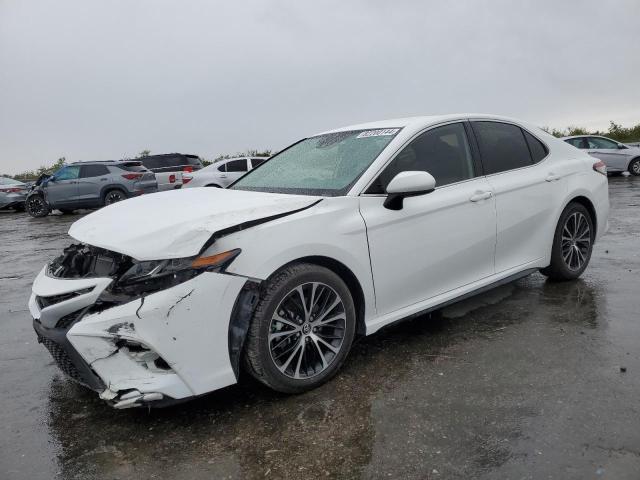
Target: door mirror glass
<point>622,147</point>
<point>408,184</point>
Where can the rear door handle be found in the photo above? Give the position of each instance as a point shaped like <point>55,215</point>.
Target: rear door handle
<point>478,196</point>
<point>552,177</point>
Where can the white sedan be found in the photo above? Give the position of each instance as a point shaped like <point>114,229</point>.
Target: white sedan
<point>335,237</point>
<point>221,174</point>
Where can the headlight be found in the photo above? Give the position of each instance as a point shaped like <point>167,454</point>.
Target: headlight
<point>156,275</point>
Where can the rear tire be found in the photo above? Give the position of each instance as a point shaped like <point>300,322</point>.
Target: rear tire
<point>113,196</point>
<point>36,206</point>
<point>634,167</point>
<point>294,347</point>
<point>572,244</point>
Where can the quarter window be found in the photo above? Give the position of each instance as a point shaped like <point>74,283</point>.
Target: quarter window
<point>237,166</point>
<point>257,161</point>
<point>502,146</point>
<point>443,152</point>
<point>536,147</point>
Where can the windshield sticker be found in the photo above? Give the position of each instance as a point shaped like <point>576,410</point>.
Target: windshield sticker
<point>378,133</point>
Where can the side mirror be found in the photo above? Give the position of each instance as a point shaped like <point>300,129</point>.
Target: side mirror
<point>622,146</point>
<point>408,184</point>
<point>52,178</point>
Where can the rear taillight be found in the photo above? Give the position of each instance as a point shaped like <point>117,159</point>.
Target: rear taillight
<point>172,178</point>
<point>188,169</point>
<point>10,190</point>
<point>132,176</point>
<point>186,179</point>
<point>600,167</point>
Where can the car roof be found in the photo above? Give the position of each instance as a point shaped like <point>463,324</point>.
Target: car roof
<point>420,122</point>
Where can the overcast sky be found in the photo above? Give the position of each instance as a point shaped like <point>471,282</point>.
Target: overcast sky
<point>96,80</point>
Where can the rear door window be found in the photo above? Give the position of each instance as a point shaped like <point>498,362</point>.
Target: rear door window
<point>580,142</point>
<point>237,166</point>
<point>502,146</point>
<point>88,171</point>
<point>605,143</point>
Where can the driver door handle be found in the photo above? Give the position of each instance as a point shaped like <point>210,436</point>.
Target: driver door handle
<point>552,177</point>
<point>479,195</point>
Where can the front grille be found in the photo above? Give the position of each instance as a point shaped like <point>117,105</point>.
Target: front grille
<point>44,302</point>
<point>62,358</point>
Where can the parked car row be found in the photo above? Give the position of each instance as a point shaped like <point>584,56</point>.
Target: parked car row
<point>81,185</point>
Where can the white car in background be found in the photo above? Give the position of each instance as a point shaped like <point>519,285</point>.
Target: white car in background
<point>617,156</point>
<point>221,174</point>
<point>170,296</point>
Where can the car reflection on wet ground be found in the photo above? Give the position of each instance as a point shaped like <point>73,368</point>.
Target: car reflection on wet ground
<point>522,382</point>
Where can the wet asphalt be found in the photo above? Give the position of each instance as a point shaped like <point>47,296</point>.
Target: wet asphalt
<point>524,382</point>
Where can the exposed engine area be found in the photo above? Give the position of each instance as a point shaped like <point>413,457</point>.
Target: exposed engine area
<point>84,261</point>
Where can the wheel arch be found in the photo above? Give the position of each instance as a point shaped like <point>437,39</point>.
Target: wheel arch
<point>588,204</point>
<point>247,300</point>
<point>631,161</point>
<point>347,276</point>
<point>107,188</point>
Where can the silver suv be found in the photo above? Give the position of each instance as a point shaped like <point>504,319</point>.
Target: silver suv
<point>89,185</point>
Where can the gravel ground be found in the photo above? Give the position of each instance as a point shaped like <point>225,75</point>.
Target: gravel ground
<point>522,382</point>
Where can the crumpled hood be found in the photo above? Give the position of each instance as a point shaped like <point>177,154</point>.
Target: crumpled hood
<point>178,223</point>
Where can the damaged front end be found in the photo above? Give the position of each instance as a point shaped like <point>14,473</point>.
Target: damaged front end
<point>117,325</point>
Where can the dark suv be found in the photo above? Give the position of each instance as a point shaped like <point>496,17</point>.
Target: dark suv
<point>89,185</point>
<point>169,168</point>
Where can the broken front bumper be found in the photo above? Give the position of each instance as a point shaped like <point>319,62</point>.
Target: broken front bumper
<point>167,346</point>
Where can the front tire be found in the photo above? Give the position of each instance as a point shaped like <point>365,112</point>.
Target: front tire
<point>572,244</point>
<point>634,167</point>
<point>302,329</point>
<point>36,206</point>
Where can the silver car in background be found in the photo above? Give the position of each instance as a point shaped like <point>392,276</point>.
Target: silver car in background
<point>221,174</point>
<point>12,194</point>
<point>617,156</point>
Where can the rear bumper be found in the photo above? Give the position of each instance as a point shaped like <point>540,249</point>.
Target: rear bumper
<point>165,347</point>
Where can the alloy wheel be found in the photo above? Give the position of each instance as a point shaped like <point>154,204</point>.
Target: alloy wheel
<point>113,197</point>
<point>36,206</point>
<point>635,167</point>
<point>307,330</point>
<point>576,241</point>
